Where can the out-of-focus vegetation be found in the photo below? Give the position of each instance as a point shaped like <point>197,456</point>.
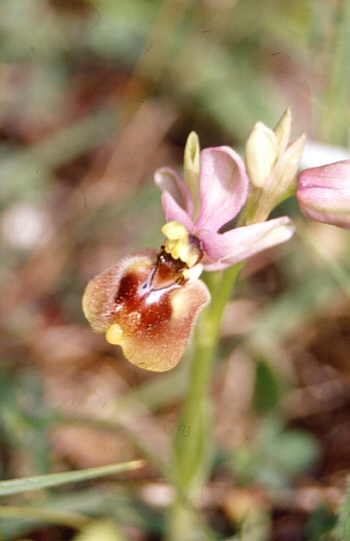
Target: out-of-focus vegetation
<point>94,96</point>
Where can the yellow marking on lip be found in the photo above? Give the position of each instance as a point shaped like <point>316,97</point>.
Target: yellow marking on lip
<point>114,335</point>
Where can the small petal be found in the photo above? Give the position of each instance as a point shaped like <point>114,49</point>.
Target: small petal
<point>223,186</point>
<point>283,129</point>
<point>239,244</point>
<point>261,154</point>
<point>281,180</point>
<point>174,212</point>
<point>152,324</point>
<point>191,168</point>
<point>169,180</point>
<point>324,193</point>
<point>286,168</point>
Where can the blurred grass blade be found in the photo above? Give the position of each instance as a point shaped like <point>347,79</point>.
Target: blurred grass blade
<point>15,486</point>
<point>23,515</point>
<point>267,389</point>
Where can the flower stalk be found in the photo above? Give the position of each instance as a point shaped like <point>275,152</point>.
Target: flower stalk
<point>193,452</point>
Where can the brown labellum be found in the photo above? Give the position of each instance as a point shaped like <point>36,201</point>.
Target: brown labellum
<point>144,304</point>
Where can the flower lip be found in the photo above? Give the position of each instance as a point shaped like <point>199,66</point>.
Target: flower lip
<point>146,305</point>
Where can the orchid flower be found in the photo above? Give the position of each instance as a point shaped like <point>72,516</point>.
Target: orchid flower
<point>149,301</point>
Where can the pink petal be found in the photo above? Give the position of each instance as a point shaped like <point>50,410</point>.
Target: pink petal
<point>333,175</point>
<point>324,193</point>
<point>169,180</point>
<point>173,211</point>
<point>239,244</point>
<point>223,187</point>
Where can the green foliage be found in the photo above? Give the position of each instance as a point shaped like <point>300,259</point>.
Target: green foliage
<point>284,453</point>
<point>320,524</point>
<point>17,486</point>
<point>342,527</point>
<point>267,390</point>
<point>24,420</point>
<point>277,456</point>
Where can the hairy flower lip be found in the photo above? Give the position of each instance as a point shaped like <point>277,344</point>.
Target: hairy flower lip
<point>100,294</point>
<point>152,325</point>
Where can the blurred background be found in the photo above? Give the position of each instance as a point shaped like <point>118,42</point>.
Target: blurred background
<point>94,96</point>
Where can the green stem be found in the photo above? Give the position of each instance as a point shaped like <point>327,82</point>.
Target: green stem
<point>192,441</point>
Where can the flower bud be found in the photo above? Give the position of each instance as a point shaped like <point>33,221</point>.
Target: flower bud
<point>146,305</point>
<point>283,129</point>
<point>272,163</point>
<point>323,193</point>
<point>191,168</point>
<point>261,154</point>
<point>264,146</point>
